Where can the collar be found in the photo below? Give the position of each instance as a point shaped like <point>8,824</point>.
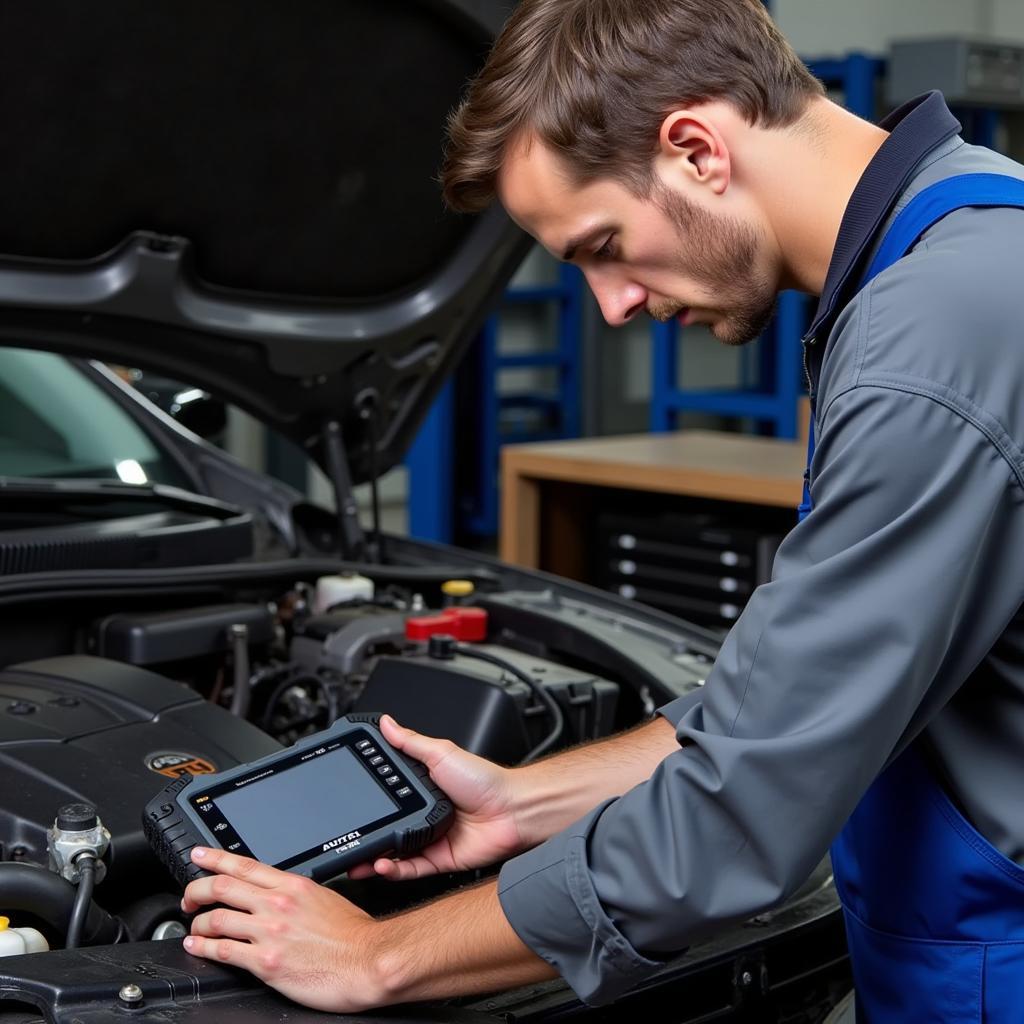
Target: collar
<point>915,129</point>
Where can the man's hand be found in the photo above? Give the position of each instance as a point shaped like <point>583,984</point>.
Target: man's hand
<point>302,939</point>
<point>500,812</point>
<point>315,947</point>
<point>485,829</point>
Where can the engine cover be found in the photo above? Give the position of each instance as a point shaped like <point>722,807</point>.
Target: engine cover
<point>86,729</point>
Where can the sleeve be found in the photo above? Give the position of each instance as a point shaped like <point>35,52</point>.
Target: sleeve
<point>879,607</point>
<point>673,711</point>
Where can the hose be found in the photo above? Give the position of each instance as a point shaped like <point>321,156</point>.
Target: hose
<point>538,691</point>
<point>240,690</point>
<point>50,898</point>
<point>83,899</point>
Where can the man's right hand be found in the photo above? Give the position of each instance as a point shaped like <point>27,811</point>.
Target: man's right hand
<point>485,829</point>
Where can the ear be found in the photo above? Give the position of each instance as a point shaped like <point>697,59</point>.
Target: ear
<point>692,145</point>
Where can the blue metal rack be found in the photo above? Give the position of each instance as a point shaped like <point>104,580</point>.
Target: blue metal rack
<point>773,398</point>
<point>430,463</point>
<point>558,411</point>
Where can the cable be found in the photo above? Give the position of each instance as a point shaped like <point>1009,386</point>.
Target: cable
<point>538,691</point>
<point>83,899</point>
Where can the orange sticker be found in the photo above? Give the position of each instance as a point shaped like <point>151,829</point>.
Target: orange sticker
<point>174,764</point>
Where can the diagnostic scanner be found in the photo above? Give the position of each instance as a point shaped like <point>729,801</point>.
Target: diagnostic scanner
<point>333,800</point>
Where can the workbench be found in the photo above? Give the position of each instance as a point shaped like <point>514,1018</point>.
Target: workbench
<point>550,488</point>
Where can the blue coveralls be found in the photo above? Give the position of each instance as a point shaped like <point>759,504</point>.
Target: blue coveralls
<point>934,912</point>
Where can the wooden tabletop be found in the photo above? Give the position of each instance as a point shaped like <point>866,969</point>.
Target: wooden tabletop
<point>698,463</point>
<point>707,463</point>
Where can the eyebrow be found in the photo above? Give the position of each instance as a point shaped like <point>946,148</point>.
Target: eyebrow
<point>574,243</point>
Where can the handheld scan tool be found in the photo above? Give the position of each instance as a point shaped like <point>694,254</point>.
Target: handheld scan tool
<point>333,800</point>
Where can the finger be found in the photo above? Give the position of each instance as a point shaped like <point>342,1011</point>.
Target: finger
<point>220,889</point>
<point>434,860</point>
<point>405,870</point>
<point>225,951</point>
<point>361,871</point>
<point>244,868</point>
<point>224,923</point>
<point>427,749</point>
<point>394,870</point>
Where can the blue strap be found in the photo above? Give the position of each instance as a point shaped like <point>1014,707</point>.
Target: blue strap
<point>935,202</point>
<point>806,505</point>
<point>926,209</point>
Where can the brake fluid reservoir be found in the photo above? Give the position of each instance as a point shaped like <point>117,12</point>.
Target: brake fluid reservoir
<point>332,590</point>
<point>14,941</point>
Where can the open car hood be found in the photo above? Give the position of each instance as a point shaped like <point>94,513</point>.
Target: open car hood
<point>243,195</point>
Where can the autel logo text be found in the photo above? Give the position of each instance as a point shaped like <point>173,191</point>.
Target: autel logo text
<point>346,838</point>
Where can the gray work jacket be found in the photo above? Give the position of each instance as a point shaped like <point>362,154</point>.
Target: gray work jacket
<point>894,609</point>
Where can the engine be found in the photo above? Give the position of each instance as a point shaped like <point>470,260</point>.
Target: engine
<point>168,690</point>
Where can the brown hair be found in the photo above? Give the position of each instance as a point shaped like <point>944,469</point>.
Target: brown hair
<point>595,78</point>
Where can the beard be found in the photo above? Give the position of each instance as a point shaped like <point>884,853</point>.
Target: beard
<point>720,252</point>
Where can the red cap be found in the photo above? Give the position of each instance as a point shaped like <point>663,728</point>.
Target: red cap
<point>467,625</point>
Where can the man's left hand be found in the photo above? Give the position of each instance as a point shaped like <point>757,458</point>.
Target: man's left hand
<point>302,939</point>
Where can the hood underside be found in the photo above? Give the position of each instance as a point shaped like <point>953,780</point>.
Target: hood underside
<point>243,195</point>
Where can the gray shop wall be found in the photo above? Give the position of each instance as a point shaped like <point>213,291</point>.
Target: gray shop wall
<point>820,28</point>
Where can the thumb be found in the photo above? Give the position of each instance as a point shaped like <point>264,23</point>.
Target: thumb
<point>427,749</point>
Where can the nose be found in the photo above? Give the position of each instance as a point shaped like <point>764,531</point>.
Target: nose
<point>620,300</point>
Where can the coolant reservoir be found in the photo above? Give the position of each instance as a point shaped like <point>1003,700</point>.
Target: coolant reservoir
<point>332,590</point>
<point>14,941</point>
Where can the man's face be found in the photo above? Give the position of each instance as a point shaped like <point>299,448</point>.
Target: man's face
<point>665,255</point>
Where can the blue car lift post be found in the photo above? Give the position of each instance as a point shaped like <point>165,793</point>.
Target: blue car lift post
<point>431,472</point>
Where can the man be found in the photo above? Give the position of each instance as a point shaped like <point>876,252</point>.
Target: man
<point>679,153</point>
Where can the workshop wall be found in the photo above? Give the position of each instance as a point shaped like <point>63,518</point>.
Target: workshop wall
<point>823,28</point>
<point>1008,19</point>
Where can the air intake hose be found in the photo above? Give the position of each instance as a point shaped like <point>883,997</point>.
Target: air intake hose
<point>49,897</point>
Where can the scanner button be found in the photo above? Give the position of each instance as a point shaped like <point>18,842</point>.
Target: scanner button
<point>362,744</point>
<point>162,812</point>
<point>369,751</point>
<point>404,791</point>
<point>385,769</point>
<point>379,759</point>
<point>392,780</point>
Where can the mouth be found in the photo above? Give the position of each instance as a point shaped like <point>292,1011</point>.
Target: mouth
<point>684,317</point>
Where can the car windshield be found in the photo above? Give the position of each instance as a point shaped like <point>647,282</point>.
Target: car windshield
<point>56,422</point>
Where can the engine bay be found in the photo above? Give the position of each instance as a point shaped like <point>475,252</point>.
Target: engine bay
<point>134,692</point>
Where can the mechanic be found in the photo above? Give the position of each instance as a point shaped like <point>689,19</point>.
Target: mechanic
<point>872,694</point>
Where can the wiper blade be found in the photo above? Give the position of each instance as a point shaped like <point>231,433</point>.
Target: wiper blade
<point>88,485</point>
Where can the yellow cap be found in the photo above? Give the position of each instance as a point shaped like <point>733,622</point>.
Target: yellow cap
<point>4,922</point>
<point>457,588</point>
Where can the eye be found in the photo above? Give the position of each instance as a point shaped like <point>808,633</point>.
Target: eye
<point>607,251</point>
